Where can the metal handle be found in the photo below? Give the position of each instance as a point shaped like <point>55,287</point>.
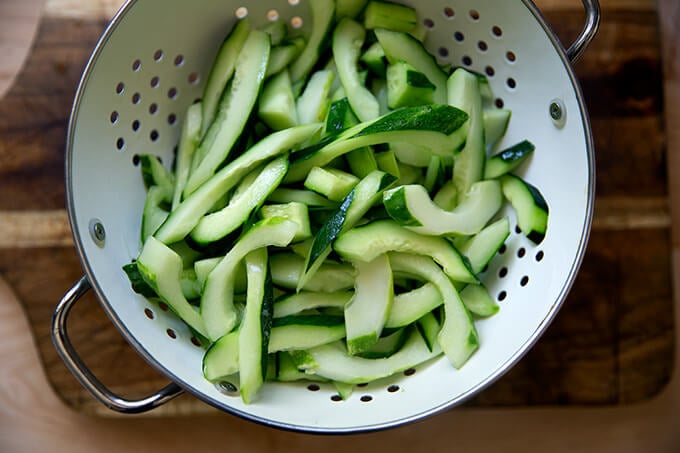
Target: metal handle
<point>75,364</point>
<point>589,30</point>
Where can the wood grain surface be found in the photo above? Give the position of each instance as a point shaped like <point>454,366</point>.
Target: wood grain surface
<point>613,342</point>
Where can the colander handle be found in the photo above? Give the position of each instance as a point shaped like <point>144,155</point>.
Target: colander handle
<point>589,30</point>
<point>75,364</point>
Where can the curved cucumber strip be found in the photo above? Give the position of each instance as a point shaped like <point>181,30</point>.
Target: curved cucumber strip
<point>287,270</point>
<point>155,174</point>
<point>306,300</point>
<point>508,159</point>
<point>217,302</point>
<point>222,358</point>
<point>312,105</point>
<point>293,211</point>
<point>529,205</point>
<point>364,195</point>
<point>483,246</point>
<point>188,142</point>
<point>463,93</point>
<point>234,110</point>
<point>153,215</point>
<point>222,70</point>
<point>303,332</point>
<point>332,361</point>
<point>402,46</point>
<point>478,300</point>
<point>410,306</point>
<point>161,269</point>
<point>218,224</point>
<point>495,124</point>
<point>276,106</point>
<point>412,207</point>
<point>458,337</point>
<point>192,209</point>
<point>254,332</point>
<point>348,38</point>
<point>365,243</point>
<point>430,124</point>
<point>366,313</point>
<point>323,13</point>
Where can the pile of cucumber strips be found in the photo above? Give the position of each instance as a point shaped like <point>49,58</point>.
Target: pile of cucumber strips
<point>334,198</point>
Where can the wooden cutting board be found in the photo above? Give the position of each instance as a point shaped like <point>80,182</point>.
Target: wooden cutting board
<point>612,343</point>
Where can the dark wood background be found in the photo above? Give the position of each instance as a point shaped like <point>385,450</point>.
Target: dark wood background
<point>611,344</point>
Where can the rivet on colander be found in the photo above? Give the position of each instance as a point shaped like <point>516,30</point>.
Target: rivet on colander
<point>97,232</point>
<point>558,112</point>
<point>227,388</point>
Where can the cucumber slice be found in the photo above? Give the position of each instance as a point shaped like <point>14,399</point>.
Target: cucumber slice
<point>407,87</point>
<point>280,57</point>
<point>391,16</point>
<point>349,8</point>
<point>495,124</point>
<point>161,269</point>
<point>375,60</point>
<point>429,124</point>
<point>508,159</point>
<point>221,360</point>
<point>366,313</point>
<point>386,346</point>
<point>483,246</point>
<point>203,267</point>
<point>478,301</point>
<point>412,207</point>
<point>387,162</point>
<point>412,154</point>
<point>306,300</point>
<point>277,107</point>
<point>154,213</point>
<point>307,197</point>
<point>348,38</point>
<point>221,71</point>
<point>361,161</point>
<point>155,174</point>
<point>410,306</point>
<point>340,117</point>
<point>364,195</point>
<point>458,337</point>
<point>305,331</point>
<point>429,328</point>
<point>323,13</point>
<point>463,92</point>
<point>217,306</point>
<point>254,333</point>
<point>295,212</point>
<point>217,225</point>
<point>192,209</point>
<point>332,361</point>
<point>529,205</point>
<point>188,142</point>
<point>332,183</point>
<point>277,31</point>
<point>234,110</point>
<point>447,196</point>
<point>366,242</point>
<point>408,175</point>
<point>402,46</point>
<point>312,105</point>
<point>287,269</point>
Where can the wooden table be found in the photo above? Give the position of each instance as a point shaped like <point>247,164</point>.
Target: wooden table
<point>616,389</point>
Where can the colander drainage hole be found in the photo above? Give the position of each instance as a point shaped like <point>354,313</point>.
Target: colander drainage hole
<point>449,12</point>
<point>428,23</point>
<point>502,249</point>
<point>272,15</point>
<point>366,398</point>
<point>149,313</point>
<point>293,2</point>
<point>114,117</point>
<point>120,87</point>
<point>539,255</point>
<point>490,71</point>
<point>518,230</point>
<point>497,31</point>
<point>512,84</point>
<point>467,61</point>
<point>443,52</point>
<point>136,98</point>
<point>136,65</point>
<point>502,295</point>
<point>120,144</point>
<point>172,93</point>
<point>153,108</point>
<point>459,36</point>
<point>135,160</point>
<point>171,333</point>
<point>296,22</point>
<point>162,306</point>
<point>499,103</point>
<point>241,12</point>
<point>474,14</point>
<point>195,342</point>
<point>503,272</point>
<point>179,60</point>
<point>483,46</point>
<point>155,80</point>
<point>158,55</point>
<point>510,56</point>
<point>393,388</point>
<point>524,281</point>
<point>193,78</point>
<point>336,398</point>
<point>172,119</point>
<point>153,135</point>
<point>521,252</point>
<point>410,372</point>
<point>313,387</point>
<point>135,125</point>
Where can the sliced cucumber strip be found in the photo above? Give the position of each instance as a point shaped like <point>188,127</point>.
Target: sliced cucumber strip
<point>276,30</point>
<point>217,306</point>
<point>295,212</point>
<point>366,242</point>
<point>323,13</point>
<point>412,207</point>
<point>192,209</point>
<point>221,360</point>
<point>305,331</point>
<point>161,269</point>
<point>529,205</point>
<point>277,106</point>
<point>340,117</point>
<point>188,142</point>
<point>332,361</point>
<point>410,306</point>
<point>287,269</point>
<point>155,174</point>
<point>447,196</point>
<point>407,87</point>
<point>280,57</point>
<point>482,247</point>
<point>332,183</point>
<point>374,58</point>
<point>458,337</point>
<point>478,301</point>
<point>312,105</point>
<point>508,159</point>
<point>429,328</point>
<point>402,46</point>
<point>306,300</point>
<point>361,161</point>
<point>348,38</point>
<point>234,110</point>
<point>254,333</point>
<point>387,162</point>
<point>386,346</point>
<point>221,71</point>
<point>219,224</point>
<point>495,124</point>
<point>366,313</point>
<point>349,8</point>
<point>391,16</point>
<point>154,213</point>
<point>307,197</point>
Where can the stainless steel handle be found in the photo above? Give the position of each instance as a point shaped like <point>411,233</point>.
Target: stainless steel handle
<point>75,364</point>
<point>589,30</point>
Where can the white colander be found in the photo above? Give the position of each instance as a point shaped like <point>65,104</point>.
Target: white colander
<point>150,65</point>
